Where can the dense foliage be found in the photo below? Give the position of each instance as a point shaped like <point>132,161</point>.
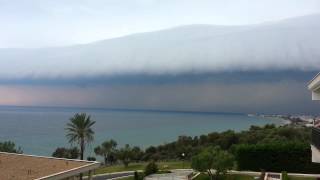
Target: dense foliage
<point>69,153</point>
<point>125,155</point>
<point>291,157</point>
<point>191,146</point>
<point>91,158</point>
<point>228,141</point>
<point>8,146</point>
<point>107,150</point>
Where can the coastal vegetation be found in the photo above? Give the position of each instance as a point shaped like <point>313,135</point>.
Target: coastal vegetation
<point>290,141</point>
<point>10,147</point>
<point>213,161</point>
<point>69,153</point>
<point>267,148</point>
<point>125,155</point>
<point>107,150</point>
<point>227,140</point>
<point>79,131</point>
<point>277,147</point>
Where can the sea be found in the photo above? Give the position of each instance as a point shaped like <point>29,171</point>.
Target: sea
<point>40,130</point>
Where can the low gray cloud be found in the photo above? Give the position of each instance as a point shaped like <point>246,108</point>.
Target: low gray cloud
<point>271,97</point>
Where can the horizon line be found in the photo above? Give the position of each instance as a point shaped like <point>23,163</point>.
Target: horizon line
<point>122,109</point>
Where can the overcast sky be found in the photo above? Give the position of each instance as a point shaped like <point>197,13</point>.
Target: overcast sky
<point>193,56</point>
<point>42,23</point>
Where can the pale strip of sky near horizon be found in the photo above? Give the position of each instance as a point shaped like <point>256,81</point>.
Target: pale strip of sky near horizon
<point>41,23</point>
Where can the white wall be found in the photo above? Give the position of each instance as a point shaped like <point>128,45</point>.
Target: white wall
<point>315,154</point>
<point>316,95</point>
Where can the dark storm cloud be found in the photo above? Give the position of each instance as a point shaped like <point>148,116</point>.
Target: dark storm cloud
<point>284,96</point>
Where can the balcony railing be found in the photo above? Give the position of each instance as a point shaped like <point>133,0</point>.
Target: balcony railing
<point>315,137</point>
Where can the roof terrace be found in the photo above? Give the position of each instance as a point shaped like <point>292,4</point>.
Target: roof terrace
<point>25,167</point>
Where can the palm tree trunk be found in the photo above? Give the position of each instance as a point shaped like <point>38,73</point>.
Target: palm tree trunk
<point>81,153</point>
<point>82,149</point>
<point>105,159</point>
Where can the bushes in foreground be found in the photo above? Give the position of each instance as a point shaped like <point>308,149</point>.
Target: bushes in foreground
<point>151,168</point>
<point>291,157</point>
<point>213,158</point>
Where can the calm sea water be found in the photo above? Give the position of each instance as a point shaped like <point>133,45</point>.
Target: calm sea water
<point>41,130</point>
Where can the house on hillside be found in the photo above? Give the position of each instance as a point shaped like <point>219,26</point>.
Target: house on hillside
<point>314,87</point>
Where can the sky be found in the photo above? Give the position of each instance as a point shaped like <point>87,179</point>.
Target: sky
<point>43,23</point>
<point>238,58</point>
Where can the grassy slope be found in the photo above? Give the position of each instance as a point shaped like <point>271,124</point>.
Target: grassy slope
<point>141,166</point>
<point>246,177</point>
<point>227,177</point>
<point>301,178</point>
<point>235,177</point>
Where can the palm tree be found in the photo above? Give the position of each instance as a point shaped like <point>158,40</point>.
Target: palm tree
<point>106,149</point>
<point>79,131</point>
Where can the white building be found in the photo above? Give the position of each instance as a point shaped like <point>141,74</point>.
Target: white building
<point>314,87</point>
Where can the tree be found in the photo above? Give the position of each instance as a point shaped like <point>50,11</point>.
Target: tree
<point>151,168</point>
<point>137,154</point>
<point>106,149</point>
<point>125,155</point>
<point>10,147</point>
<point>213,159</point>
<point>61,152</point>
<point>79,131</point>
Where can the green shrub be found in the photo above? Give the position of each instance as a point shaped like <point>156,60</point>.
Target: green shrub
<point>284,175</point>
<point>69,153</point>
<point>9,146</point>
<point>90,158</point>
<point>151,168</point>
<point>263,173</point>
<point>136,175</point>
<point>292,157</point>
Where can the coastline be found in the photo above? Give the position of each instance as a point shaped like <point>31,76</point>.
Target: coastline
<point>296,120</point>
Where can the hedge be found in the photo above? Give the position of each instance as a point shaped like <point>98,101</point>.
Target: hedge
<point>290,157</point>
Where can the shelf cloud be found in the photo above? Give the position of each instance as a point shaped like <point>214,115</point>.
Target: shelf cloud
<point>292,44</point>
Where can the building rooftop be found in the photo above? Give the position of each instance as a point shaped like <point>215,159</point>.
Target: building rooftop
<point>25,167</point>
<point>314,83</point>
<point>314,86</point>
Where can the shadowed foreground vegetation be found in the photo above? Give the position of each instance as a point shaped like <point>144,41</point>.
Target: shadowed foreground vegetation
<point>226,177</point>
